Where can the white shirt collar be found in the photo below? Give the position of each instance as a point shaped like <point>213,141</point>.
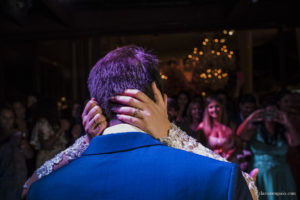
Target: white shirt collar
<point>121,128</point>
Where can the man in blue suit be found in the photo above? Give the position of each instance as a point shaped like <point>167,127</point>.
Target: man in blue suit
<point>127,163</point>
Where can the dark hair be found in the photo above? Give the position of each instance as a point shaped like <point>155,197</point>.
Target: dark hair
<point>269,100</point>
<point>128,67</point>
<point>172,104</point>
<point>247,98</point>
<point>282,94</point>
<point>47,108</point>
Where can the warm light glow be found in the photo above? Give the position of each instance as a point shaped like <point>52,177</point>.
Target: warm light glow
<point>231,52</point>
<point>229,56</point>
<point>197,58</point>
<point>203,93</point>
<point>222,40</point>
<point>219,71</point>
<point>225,75</point>
<point>231,32</point>
<point>201,53</point>
<point>212,51</point>
<point>216,74</point>
<point>218,53</point>
<point>164,77</point>
<point>219,77</point>
<point>216,40</point>
<point>63,99</point>
<point>208,70</point>
<point>209,75</point>
<point>224,46</point>
<point>225,50</point>
<point>204,43</point>
<point>190,56</point>
<point>203,75</point>
<point>206,40</point>
<point>225,32</point>
<point>195,49</point>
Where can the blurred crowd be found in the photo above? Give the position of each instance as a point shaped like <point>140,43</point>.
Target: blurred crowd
<point>252,131</point>
<point>32,132</point>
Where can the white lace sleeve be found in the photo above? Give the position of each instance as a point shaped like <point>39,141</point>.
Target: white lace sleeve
<point>180,140</point>
<point>69,154</point>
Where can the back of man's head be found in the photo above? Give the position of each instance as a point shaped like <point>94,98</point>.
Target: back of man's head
<point>128,67</point>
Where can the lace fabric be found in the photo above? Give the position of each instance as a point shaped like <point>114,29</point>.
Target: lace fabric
<point>69,154</point>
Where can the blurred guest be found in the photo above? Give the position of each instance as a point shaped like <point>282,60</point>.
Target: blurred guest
<point>287,104</point>
<point>220,136</point>
<point>173,110</point>
<point>30,113</point>
<point>194,117</point>
<point>222,95</point>
<point>247,105</point>
<point>20,113</point>
<point>21,124</point>
<point>14,149</point>
<point>48,135</point>
<point>76,112</point>
<point>75,133</point>
<point>183,100</point>
<point>269,144</point>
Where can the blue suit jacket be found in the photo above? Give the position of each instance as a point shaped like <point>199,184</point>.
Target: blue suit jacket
<point>134,165</point>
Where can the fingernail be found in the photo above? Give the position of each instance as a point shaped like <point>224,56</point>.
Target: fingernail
<point>154,84</point>
<point>93,99</point>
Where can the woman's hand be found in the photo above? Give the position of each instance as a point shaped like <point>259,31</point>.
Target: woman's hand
<point>256,116</point>
<point>142,112</point>
<point>92,119</point>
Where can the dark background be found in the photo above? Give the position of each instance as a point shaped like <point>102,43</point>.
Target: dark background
<point>47,47</point>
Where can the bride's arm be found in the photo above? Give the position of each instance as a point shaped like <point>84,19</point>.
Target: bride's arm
<point>180,140</point>
<point>94,123</point>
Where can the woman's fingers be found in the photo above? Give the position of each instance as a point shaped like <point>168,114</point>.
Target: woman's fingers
<point>135,112</point>
<point>137,95</point>
<point>131,120</point>
<point>91,114</point>
<point>166,101</point>
<point>254,173</point>
<point>92,126</point>
<point>90,104</point>
<point>129,101</point>
<point>157,94</point>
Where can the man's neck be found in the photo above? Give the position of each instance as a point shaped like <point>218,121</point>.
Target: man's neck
<point>114,122</point>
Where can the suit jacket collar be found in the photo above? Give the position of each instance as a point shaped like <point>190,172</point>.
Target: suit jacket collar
<point>117,142</point>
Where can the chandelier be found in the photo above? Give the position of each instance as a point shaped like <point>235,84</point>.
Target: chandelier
<point>212,61</point>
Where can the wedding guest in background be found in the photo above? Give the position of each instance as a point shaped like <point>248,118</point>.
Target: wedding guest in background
<point>20,113</point>
<point>247,105</point>
<point>269,144</point>
<point>183,100</point>
<point>288,105</point>
<point>14,150</point>
<point>193,119</point>
<point>219,134</point>
<point>48,135</point>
